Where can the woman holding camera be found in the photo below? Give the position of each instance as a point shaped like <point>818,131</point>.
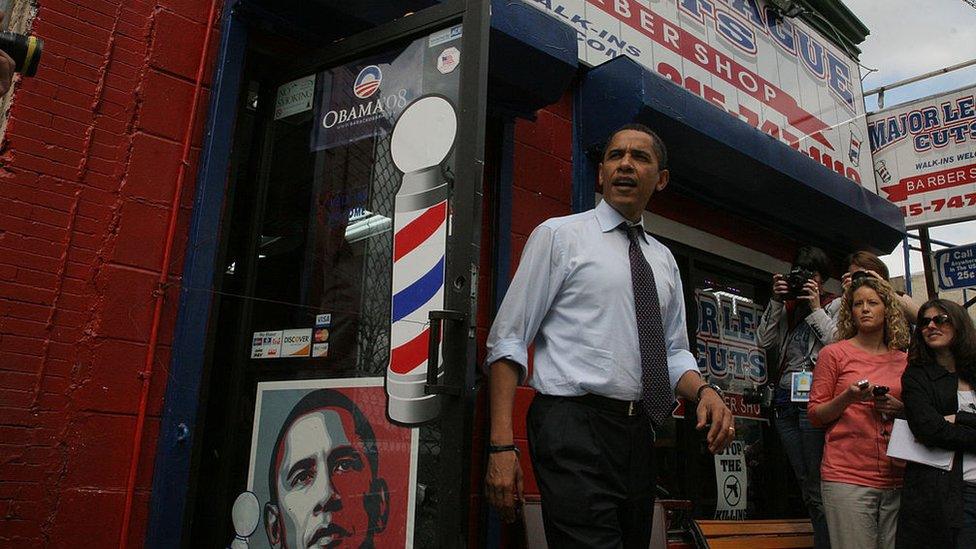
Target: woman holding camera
<point>939,507</point>
<point>795,327</point>
<point>855,395</point>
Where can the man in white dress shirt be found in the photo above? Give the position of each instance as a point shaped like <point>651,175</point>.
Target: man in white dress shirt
<point>591,426</point>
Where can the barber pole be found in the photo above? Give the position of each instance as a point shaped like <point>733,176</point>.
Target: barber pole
<point>854,151</point>
<point>421,140</point>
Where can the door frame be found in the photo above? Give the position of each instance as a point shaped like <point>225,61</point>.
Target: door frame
<point>169,512</point>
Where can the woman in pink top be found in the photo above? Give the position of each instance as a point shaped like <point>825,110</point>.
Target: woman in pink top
<point>856,395</point>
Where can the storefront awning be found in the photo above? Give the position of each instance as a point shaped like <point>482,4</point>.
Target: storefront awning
<point>723,161</point>
<point>532,58</point>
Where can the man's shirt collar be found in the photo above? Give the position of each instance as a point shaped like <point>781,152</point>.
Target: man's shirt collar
<point>610,219</point>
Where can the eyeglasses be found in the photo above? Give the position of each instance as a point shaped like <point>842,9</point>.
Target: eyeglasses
<point>939,320</point>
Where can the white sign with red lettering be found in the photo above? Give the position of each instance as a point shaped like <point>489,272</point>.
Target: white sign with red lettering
<point>777,74</point>
<point>925,157</point>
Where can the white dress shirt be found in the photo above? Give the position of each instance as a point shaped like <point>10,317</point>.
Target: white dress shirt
<point>572,296</point>
<point>967,403</point>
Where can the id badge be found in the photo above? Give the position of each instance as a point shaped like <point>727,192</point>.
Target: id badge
<point>800,386</point>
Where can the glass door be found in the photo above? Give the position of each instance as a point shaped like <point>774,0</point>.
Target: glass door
<point>727,313</point>
<point>337,411</point>
<point>750,480</point>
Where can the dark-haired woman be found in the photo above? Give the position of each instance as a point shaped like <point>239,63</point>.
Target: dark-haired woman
<point>939,507</point>
<point>860,484</point>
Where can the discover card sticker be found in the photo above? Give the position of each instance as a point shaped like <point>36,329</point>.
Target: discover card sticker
<point>296,342</point>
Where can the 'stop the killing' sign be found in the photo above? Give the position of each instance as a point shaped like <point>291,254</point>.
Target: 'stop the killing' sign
<point>777,74</point>
<point>925,157</point>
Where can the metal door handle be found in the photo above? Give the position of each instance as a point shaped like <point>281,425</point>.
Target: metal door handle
<point>433,352</point>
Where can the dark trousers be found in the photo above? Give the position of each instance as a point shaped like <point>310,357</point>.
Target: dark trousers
<point>595,471</point>
<point>967,534</point>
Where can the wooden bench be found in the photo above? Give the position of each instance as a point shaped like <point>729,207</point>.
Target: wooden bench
<point>722,534</point>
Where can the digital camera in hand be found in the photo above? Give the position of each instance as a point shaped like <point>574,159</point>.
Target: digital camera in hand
<point>797,277</point>
<point>880,390</point>
<point>24,50</point>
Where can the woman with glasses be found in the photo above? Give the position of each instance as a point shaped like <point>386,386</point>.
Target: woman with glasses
<point>855,395</point>
<point>939,507</point>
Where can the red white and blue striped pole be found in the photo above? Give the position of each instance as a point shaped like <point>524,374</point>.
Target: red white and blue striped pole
<point>422,138</point>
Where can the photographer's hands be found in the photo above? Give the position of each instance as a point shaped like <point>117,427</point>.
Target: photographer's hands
<point>6,67</point>
<point>811,294</point>
<point>811,291</point>
<point>780,287</point>
<point>845,280</point>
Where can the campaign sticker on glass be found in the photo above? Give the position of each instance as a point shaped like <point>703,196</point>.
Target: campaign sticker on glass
<point>320,350</point>
<point>448,60</point>
<point>323,320</point>
<point>296,342</point>
<point>800,388</point>
<point>266,344</point>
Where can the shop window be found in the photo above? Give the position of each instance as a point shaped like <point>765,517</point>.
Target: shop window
<point>752,479</point>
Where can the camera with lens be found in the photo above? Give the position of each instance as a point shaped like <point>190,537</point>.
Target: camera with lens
<point>858,275</point>
<point>761,395</point>
<point>24,50</point>
<point>797,277</point>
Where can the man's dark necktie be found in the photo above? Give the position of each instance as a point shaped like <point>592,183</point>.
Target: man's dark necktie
<point>656,396</point>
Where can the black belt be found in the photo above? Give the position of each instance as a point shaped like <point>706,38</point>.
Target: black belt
<point>618,407</point>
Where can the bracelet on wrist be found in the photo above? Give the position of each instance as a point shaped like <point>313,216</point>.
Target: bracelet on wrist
<point>713,387</point>
<point>497,449</point>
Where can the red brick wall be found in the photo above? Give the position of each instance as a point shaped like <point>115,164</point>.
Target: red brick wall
<point>88,168</point>
<point>542,188</point>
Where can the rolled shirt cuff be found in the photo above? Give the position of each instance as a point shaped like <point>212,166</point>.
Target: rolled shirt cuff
<point>511,350</point>
<point>678,364</point>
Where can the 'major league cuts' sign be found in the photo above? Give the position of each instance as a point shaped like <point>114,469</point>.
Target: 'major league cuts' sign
<point>777,74</point>
<point>727,344</point>
<point>925,157</point>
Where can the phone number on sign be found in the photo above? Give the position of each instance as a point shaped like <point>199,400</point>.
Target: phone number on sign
<point>938,204</point>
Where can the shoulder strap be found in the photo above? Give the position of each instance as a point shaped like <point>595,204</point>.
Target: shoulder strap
<point>790,307</point>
